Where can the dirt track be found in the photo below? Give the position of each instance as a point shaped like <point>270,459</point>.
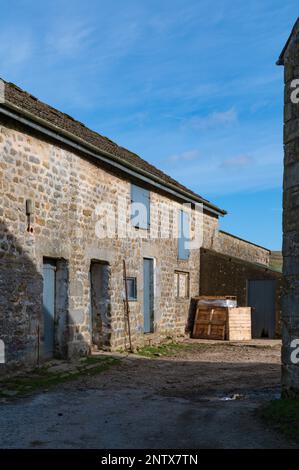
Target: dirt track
<point>182,401</point>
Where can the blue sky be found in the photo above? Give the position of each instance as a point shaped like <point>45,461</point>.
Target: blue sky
<point>191,86</point>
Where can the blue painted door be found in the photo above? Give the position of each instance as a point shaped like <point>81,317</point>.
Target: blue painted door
<point>148,295</point>
<point>262,300</point>
<point>49,274</point>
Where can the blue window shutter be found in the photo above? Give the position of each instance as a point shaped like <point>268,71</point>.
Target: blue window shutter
<point>140,196</point>
<point>184,235</point>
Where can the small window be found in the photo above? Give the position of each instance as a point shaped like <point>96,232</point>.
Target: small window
<point>140,207</point>
<point>181,285</point>
<point>132,288</point>
<point>183,235</point>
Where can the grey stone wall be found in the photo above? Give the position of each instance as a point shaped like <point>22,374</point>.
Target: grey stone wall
<point>290,314</point>
<point>230,245</point>
<point>233,246</point>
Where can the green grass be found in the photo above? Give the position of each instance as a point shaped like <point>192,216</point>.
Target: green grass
<point>283,416</point>
<point>171,349</point>
<point>44,378</point>
<point>168,349</point>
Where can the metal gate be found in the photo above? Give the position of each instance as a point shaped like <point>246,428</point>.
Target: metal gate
<point>262,299</point>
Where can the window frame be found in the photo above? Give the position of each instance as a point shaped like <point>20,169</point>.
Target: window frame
<point>179,273</point>
<point>134,279</point>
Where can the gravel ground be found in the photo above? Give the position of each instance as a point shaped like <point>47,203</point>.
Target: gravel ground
<point>181,401</point>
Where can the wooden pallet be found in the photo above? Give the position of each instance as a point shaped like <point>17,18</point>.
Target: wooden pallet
<point>210,322</point>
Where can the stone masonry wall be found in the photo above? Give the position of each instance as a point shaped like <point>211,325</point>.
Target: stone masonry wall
<point>234,246</point>
<point>66,189</point>
<point>290,316</point>
<point>229,245</point>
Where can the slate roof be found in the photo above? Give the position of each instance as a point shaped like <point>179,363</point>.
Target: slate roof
<point>25,102</point>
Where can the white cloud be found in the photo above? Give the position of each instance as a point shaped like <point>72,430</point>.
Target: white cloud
<point>69,38</point>
<point>214,119</point>
<point>215,176</point>
<point>188,156</point>
<point>236,163</point>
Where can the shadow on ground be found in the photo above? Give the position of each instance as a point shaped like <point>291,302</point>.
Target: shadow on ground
<point>178,402</point>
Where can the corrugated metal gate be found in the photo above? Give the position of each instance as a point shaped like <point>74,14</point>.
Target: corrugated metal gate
<point>261,298</point>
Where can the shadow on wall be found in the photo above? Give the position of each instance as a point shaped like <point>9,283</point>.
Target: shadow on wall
<point>20,300</point>
<point>34,311</point>
<point>191,317</point>
<point>23,312</point>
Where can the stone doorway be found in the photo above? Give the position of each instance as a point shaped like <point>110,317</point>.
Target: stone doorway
<point>99,303</point>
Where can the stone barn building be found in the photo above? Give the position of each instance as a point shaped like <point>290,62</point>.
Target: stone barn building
<point>289,58</point>
<point>66,204</point>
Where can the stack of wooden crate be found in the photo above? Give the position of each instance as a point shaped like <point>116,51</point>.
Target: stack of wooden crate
<point>224,323</point>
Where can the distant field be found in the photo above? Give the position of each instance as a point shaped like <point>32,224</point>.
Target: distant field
<point>276,261</point>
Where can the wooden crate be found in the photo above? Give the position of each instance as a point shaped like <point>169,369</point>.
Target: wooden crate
<point>239,324</point>
<point>233,324</point>
<point>210,322</point>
